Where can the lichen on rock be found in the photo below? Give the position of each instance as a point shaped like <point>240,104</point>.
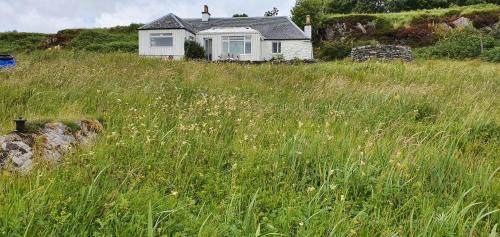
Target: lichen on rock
<point>51,142</point>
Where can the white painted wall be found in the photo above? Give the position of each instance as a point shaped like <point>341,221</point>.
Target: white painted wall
<point>261,49</point>
<point>290,49</point>
<point>217,45</point>
<point>177,50</point>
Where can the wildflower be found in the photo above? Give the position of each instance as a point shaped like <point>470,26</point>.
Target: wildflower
<point>174,193</point>
<point>300,124</point>
<point>301,223</point>
<point>311,189</point>
<point>342,198</point>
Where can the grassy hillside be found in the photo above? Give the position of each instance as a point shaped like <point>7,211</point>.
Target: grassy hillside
<point>406,19</point>
<point>21,42</point>
<point>104,40</point>
<point>330,149</point>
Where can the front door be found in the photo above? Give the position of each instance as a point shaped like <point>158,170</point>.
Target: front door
<point>208,49</point>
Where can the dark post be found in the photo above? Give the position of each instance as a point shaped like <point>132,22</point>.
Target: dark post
<point>20,124</point>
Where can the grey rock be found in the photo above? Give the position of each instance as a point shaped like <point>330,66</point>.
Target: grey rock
<point>361,27</point>
<point>54,141</point>
<point>462,22</point>
<point>58,140</point>
<point>384,52</point>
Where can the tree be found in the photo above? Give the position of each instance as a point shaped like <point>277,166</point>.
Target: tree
<point>240,15</point>
<point>273,12</point>
<point>369,6</point>
<point>302,8</point>
<point>340,6</point>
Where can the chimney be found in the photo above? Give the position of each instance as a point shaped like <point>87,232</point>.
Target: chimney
<point>205,15</point>
<point>308,27</point>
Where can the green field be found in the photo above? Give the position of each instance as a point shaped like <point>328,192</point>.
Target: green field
<point>202,149</point>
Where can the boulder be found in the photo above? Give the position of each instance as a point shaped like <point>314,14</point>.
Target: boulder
<point>462,22</point>
<point>52,142</point>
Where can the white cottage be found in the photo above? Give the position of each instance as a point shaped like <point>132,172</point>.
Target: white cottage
<point>239,38</point>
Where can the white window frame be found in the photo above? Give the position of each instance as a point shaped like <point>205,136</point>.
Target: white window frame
<point>278,47</point>
<point>247,43</point>
<point>161,36</point>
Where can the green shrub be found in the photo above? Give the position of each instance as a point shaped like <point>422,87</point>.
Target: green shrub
<point>126,47</point>
<point>481,19</point>
<point>90,37</point>
<point>340,49</point>
<point>460,45</point>
<point>425,19</point>
<point>335,50</point>
<point>21,42</point>
<point>278,57</point>
<point>193,50</point>
<point>383,26</point>
<point>491,55</point>
<point>130,29</point>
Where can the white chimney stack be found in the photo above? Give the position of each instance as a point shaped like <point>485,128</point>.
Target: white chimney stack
<point>205,15</point>
<point>308,27</point>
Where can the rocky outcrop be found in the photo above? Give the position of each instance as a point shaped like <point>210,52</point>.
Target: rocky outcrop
<point>51,142</point>
<point>462,22</point>
<point>384,52</point>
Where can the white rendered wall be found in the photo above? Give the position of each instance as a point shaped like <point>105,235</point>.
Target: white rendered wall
<point>290,49</point>
<point>176,51</point>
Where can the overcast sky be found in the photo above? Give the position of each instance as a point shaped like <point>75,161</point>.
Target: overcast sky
<point>49,16</point>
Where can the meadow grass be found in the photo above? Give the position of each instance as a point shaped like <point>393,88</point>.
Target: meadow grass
<point>200,149</point>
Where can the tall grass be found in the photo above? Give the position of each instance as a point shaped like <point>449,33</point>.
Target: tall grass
<point>330,149</point>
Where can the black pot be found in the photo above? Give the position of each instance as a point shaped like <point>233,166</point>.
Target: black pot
<point>20,124</point>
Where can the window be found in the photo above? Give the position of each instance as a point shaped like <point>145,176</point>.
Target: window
<point>162,40</point>
<point>237,45</point>
<point>276,47</point>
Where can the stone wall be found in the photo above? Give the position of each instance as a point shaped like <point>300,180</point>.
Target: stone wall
<point>384,52</point>
<point>51,142</point>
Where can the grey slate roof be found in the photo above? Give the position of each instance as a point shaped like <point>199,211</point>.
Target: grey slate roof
<point>169,21</point>
<point>272,28</point>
